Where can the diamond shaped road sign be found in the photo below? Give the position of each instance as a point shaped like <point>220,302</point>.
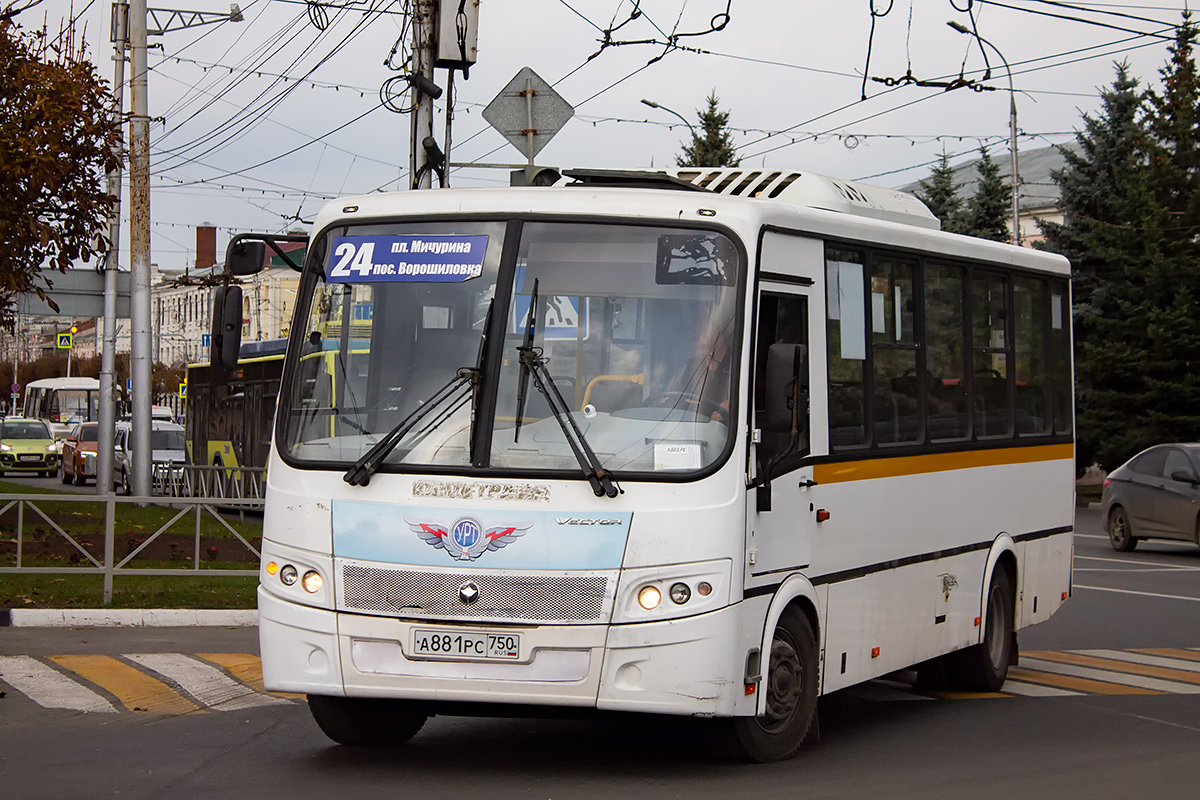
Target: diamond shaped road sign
<point>528,104</point>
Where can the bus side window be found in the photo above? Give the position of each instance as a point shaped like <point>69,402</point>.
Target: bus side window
<point>845,282</point>
<point>782,319</point>
<point>1031,367</point>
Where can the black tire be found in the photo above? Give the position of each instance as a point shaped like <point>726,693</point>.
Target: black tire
<point>126,489</point>
<point>790,682</point>
<point>1120,534</point>
<point>62,474</point>
<point>984,667</point>
<point>366,722</point>
<point>79,480</point>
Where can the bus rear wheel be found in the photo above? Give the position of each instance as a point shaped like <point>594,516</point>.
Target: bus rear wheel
<point>790,682</point>
<point>366,722</point>
<point>984,667</point>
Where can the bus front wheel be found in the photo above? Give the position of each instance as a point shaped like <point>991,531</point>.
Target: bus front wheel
<point>366,722</point>
<point>790,682</point>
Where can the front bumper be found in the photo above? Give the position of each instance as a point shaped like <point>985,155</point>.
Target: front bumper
<point>683,666</point>
<point>22,461</point>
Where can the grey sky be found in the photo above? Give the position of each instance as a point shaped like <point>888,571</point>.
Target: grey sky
<point>790,74</point>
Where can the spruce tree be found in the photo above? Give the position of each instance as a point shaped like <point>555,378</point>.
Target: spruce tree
<point>715,148</point>
<point>987,211</point>
<point>941,196</point>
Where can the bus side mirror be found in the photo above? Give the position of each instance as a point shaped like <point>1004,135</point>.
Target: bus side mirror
<point>786,388</point>
<point>245,257</point>
<point>226,327</point>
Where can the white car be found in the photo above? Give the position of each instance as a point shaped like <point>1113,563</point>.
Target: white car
<point>167,445</point>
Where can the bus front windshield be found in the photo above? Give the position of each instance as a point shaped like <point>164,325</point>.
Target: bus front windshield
<point>636,327</point>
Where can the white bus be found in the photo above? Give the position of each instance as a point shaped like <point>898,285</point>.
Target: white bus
<point>754,444</point>
<point>63,402</point>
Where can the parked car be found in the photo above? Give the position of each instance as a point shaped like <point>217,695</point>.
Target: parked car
<point>26,445</point>
<point>166,446</point>
<point>1154,495</point>
<point>79,454</point>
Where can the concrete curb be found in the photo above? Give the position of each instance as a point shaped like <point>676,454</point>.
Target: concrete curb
<point>126,618</point>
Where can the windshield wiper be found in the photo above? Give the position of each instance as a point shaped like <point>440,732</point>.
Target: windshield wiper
<point>360,474</point>
<point>532,363</point>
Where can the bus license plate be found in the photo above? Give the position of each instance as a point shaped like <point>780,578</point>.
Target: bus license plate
<point>452,643</point>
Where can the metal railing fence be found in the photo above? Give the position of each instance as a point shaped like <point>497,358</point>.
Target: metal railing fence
<point>33,507</point>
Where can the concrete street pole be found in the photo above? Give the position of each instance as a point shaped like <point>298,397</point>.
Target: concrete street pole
<point>108,416</point>
<point>424,44</point>
<point>139,249</point>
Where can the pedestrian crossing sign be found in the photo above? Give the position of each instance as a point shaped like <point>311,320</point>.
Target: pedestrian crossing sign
<point>183,390</point>
<point>65,341</point>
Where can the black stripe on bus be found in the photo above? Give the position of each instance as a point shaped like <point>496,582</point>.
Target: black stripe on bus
<point>780,277</point>
<point>859,572</point>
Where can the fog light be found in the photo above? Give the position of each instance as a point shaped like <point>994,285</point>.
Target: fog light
<point>272,568</point>
<point>288,575</point>
<point>704,588</point>
<point>680,593</point>
<point>312,582</point>
<point>649,597</point>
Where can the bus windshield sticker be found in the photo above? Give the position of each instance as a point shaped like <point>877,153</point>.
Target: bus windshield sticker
<point>407,259</point>
<point>704,258</point>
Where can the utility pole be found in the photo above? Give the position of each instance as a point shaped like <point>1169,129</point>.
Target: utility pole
<point>424,92</point>
<point>140,368</point>
<point>108,353</point>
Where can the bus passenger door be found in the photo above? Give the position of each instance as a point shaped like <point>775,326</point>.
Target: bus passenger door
<point>782,519</point>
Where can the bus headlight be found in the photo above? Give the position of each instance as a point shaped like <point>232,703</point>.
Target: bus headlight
<point>312,582</point>
<point>288,575</point>
<point>649,597</point>
<point>680,593</point>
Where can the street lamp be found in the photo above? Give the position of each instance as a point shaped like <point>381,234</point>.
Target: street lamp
<point>653,104</point>
<point>1012,126</point>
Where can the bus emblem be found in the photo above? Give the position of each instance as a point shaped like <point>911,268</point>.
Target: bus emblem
<point>466,539</point>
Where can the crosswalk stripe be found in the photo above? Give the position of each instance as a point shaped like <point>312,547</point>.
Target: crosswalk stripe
<point>134,689</point>
<point>1171,652</point>
<point>1140,681</point>
<point>247,668</point>
<point>204,682</point>
<point>1139,658</point>
<point>1083,685</point>
<point>1035,690</point>
<point>48,687</point>
<point>1150,671</point>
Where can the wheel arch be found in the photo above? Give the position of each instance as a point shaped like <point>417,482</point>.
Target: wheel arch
<point>798,591</point>
<point>1003,553</point>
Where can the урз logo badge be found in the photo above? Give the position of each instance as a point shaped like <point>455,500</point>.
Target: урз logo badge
<point>466,539</point>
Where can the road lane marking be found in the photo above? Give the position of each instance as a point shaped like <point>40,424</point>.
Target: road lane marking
<point>49,688</point>
<point>1035,690</point>
<point>1139,658</point>
<point>1127,562</point>
<point>133,688</point>
<point>1148,670</point>
<point>1083,685</point>
<point>1140,594</point>
<point>1170,652</point>
<point>204,682</point>
<point>247,668</point>
<point>1140,681</point>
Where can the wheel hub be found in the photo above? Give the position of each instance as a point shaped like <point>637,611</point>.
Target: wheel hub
<point>785,684</point>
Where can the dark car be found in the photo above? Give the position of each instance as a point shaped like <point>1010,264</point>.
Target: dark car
<point>1154,495</point>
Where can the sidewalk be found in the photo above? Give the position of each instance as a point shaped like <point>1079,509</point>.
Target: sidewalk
<point>126,618</point>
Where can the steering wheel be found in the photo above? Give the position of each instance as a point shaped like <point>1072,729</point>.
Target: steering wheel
<point>995,373</point>
<point>705,407</point>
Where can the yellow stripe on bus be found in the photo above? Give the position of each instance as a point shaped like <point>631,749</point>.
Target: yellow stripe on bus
<point>136,690</point>
<point>1112,665</point>
<point>1078,684</point>
<point>247,668</point>
<point>868,469</point>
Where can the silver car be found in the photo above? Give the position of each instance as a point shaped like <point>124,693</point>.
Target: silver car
<point>1154,495</point>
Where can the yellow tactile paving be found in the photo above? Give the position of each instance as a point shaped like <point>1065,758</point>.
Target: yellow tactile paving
<point>1078,684</point>
<point>133,688</point>
<point>1169,652</point>
<point>1117,666</point>
<point>246,668</point>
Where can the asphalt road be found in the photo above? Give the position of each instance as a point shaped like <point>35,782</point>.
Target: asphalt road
<point>1096,731</point>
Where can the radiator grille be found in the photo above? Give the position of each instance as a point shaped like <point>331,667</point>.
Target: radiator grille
<point>538,598</point>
